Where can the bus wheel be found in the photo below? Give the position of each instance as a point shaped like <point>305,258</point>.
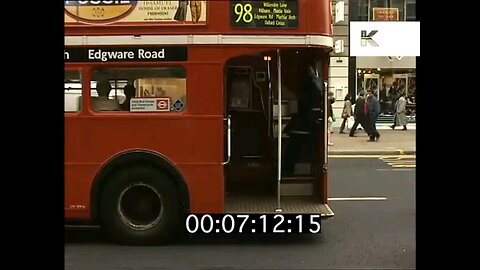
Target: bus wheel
<point>140,206</point>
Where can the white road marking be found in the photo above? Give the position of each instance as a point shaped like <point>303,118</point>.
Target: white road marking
<point>358,199</point>
<point>372,156</point>
<point>397,169</point>
<point>402,162</point>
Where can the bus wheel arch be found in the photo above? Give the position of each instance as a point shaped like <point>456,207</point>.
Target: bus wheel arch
<point>146,160</point>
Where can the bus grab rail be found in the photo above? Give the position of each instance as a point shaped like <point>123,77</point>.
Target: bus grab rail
<point>229,139</point>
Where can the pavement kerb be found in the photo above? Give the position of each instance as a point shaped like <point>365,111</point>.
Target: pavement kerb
<point>371,152</point>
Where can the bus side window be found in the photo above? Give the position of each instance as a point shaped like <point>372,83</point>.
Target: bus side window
<point>73,91</point>
<point>103,102</point>
<point>240,94</point>
<point>133,87</point>
<point>240,88</point>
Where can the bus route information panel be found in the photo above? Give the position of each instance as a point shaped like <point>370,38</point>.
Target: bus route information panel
<point>264,14</point>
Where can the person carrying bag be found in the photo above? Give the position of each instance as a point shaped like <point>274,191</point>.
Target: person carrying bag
<point>346,112</point>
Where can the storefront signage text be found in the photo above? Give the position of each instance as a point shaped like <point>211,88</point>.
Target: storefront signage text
<point>385,14</point>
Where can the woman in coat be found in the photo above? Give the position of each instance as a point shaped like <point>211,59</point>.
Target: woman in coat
<point>401,112</point>
<point>346,112</point>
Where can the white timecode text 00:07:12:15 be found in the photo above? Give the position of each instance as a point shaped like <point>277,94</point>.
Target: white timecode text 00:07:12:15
<point>253,223</point>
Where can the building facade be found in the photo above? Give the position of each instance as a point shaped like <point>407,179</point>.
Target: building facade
<point>387,76</point>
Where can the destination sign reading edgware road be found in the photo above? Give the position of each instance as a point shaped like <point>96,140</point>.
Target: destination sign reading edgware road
<point>125,54</point>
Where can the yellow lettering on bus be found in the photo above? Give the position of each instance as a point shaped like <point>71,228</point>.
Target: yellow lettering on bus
<point>244,12</point>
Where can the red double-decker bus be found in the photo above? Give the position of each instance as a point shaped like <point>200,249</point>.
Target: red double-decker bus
<point>175,107</point>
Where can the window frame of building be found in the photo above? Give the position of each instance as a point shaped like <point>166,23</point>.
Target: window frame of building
<point>358,8</point>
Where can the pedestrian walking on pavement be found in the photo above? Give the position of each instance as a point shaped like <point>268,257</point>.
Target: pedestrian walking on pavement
<point>373,113</point>
<point>400,112</point>
<point>360,114</point>
<point>346,112</point>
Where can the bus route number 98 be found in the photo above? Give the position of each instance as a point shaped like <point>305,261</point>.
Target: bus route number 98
<point>244,12</point>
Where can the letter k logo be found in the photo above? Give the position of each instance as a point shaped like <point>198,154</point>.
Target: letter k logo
<point>368,38</point>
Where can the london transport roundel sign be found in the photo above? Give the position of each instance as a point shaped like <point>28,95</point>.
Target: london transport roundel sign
<point>162,104</point>
<point>99,11</point>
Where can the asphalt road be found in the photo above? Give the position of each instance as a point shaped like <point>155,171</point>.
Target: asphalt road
<point>373,227</point>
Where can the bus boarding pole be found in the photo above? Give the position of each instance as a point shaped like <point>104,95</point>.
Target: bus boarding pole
<point>279,130</point>
<point>270,98</point>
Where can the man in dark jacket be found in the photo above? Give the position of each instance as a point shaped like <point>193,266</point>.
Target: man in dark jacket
<point>303,129</point>
<point>360,114</point>
<point>373,112</point>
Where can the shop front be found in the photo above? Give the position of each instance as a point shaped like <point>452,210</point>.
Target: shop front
<point>388,78</point>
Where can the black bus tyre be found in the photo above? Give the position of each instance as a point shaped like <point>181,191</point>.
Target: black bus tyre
<point>139,206</point>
